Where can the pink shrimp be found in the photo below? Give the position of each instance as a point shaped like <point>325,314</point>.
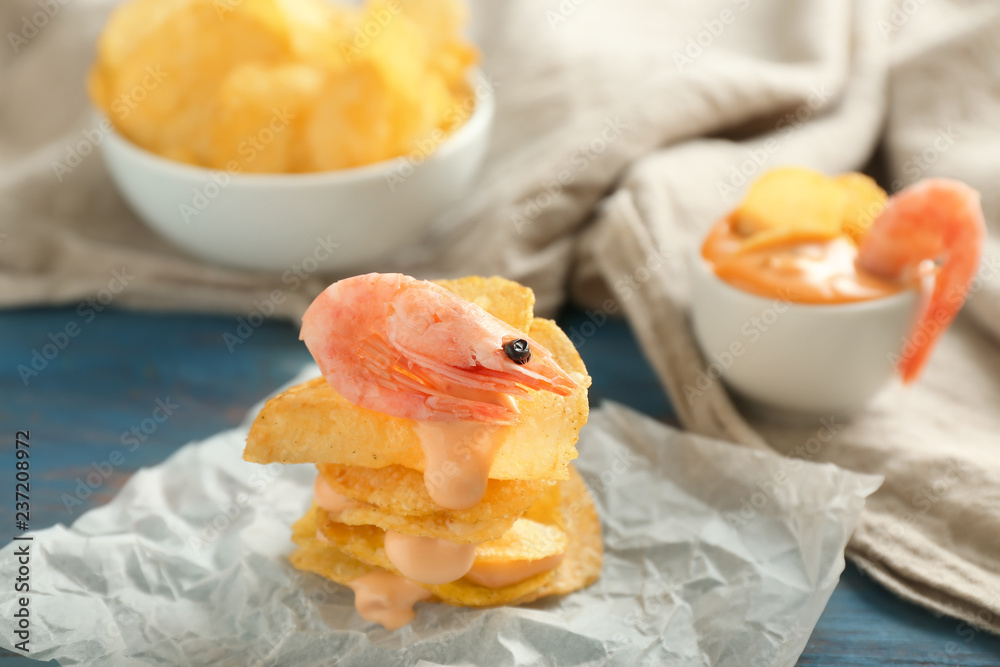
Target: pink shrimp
<point>412,349</point>
<point>932,232</point>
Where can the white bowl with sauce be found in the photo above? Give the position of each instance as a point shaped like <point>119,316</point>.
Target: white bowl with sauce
<point>334,221</point>
<point>797,359</point>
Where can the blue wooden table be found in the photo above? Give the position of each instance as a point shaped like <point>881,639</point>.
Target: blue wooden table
<point>123,371</point>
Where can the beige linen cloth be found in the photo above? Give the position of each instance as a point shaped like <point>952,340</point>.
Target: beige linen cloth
<point>654,115</point>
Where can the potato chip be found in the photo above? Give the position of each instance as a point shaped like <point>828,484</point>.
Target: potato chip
<point>584,557</point>
<point>792,198</point>
<point>421,119</point>
<point>398,49</point>
<point>439,526</point>
<point>510,301</point>
<point>543,509</point>
<point>865,200</point>
<point>315,555</point>
<point>258,115</point>
<point>402,491</point>
<point>385,95</point>
<point>442,22</point>
<point>162,95</point>
<point>325,428</point>
<point>419,98</point>
<point>320,32</point>
<point>130,25</point>
<point>527,540</point>
<point>352,122</point>
<point>365,543</point>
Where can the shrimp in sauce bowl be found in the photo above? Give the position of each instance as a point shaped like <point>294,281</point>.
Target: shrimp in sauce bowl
<point>826,303</point>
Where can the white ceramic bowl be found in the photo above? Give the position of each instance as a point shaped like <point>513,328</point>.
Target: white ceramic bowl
<point>797,359</point>
<point>272,222</point>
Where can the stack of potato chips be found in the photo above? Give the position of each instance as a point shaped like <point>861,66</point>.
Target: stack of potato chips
<point>536,508</point>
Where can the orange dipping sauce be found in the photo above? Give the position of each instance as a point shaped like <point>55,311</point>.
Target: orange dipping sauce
<point>819,271</point>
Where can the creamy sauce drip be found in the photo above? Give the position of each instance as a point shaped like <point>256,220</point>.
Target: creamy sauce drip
<point>329,500</point>
<point>507,573</point>
<point>458,457</point>
<point>427,559</point>
<point>386,598</point>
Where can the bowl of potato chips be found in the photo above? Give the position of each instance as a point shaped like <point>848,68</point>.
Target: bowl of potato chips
<point>257,133</point>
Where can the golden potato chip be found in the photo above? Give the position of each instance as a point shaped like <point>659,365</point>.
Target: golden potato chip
<point>442,22</point>
<point>547,508</point>
<point>365,543</point>
<point>131,24</point>
<point>320,32</point>
<point>420,119</point>
<point>434,525</point>
<point>398,49</point>
<point>792,198</point>
<point>527,540</point>
<point>419,98</point>
<point>162,94</point>
<point>584,557</point>
<point>453,62</point>
<point>315,555</point>
<point>311,423</point>
<point>510,301</point>
<point>351,124</point>
<point>865,200</point>
<point>402,491</point>
<point>259,113</point>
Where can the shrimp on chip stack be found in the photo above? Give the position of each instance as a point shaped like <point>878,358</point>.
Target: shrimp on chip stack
<point>442,430</point>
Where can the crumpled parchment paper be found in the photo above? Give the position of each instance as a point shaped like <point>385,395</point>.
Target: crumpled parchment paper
<point>715,555</point>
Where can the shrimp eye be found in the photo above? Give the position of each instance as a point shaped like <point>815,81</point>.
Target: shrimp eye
<point>518,351</point>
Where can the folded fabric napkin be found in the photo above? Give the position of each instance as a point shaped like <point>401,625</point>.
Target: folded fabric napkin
<point>661,113</point>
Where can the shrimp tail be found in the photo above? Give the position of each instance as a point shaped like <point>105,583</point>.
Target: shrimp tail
<point>933,233</point>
